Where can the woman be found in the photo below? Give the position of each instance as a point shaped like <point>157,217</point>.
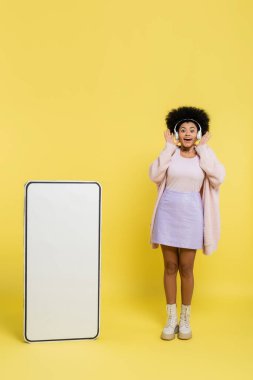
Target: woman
<point>186,216</point>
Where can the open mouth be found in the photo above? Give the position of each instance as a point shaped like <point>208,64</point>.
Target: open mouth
<point>187,140</point>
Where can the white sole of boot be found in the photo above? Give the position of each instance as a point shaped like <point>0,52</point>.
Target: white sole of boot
<point>170,336</point>
<point>184,336</point>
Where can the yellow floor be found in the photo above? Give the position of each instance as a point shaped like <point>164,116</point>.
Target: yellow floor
<point>129,345</point>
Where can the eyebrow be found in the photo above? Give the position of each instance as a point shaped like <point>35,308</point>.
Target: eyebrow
<point>184,127</point>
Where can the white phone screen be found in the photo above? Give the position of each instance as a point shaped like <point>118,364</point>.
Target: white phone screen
<point>62,229</point>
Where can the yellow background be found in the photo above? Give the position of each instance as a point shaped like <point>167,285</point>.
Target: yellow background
<point>85,87</point>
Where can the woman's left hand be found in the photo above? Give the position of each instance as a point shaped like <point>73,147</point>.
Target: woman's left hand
<point>204,138</point>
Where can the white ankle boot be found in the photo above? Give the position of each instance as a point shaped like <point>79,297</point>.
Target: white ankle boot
<point>171,327</point>
<point>184,323</point>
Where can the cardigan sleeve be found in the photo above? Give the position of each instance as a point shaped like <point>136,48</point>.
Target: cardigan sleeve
<point>214,169</point>
<point>159,166</point>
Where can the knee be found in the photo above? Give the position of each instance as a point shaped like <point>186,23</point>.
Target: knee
<point>171,267</point>
<point>186,270</point>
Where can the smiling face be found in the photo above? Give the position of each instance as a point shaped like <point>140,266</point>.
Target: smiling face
<point>187,134</point>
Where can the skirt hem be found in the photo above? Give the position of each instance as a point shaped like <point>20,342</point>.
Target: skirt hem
<point>171,244</point>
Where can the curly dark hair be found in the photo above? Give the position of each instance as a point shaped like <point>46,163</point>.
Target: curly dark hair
<point>185,112</point>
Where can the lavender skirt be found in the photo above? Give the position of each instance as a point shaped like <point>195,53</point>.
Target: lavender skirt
<point>179,220</point>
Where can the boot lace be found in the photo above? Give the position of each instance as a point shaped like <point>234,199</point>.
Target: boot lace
<point>171,320</point>
<point>185,319</point>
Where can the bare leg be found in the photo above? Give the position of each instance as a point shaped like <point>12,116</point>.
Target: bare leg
<point>170,257</point>
<point>186,263</point>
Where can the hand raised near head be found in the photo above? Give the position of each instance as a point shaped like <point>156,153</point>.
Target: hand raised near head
<point>204,138</point>
<point>169,137</point>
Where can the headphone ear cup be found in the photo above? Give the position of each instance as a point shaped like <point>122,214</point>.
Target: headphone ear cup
<point>176,135</point>
<point>199,135</point>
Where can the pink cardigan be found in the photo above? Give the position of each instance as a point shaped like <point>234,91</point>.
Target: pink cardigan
<point>214,176</point>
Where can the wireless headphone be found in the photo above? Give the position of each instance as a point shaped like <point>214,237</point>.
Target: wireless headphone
<point>199,134</point>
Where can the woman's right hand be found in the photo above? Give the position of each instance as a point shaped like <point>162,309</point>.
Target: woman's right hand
<point>169,137</point>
